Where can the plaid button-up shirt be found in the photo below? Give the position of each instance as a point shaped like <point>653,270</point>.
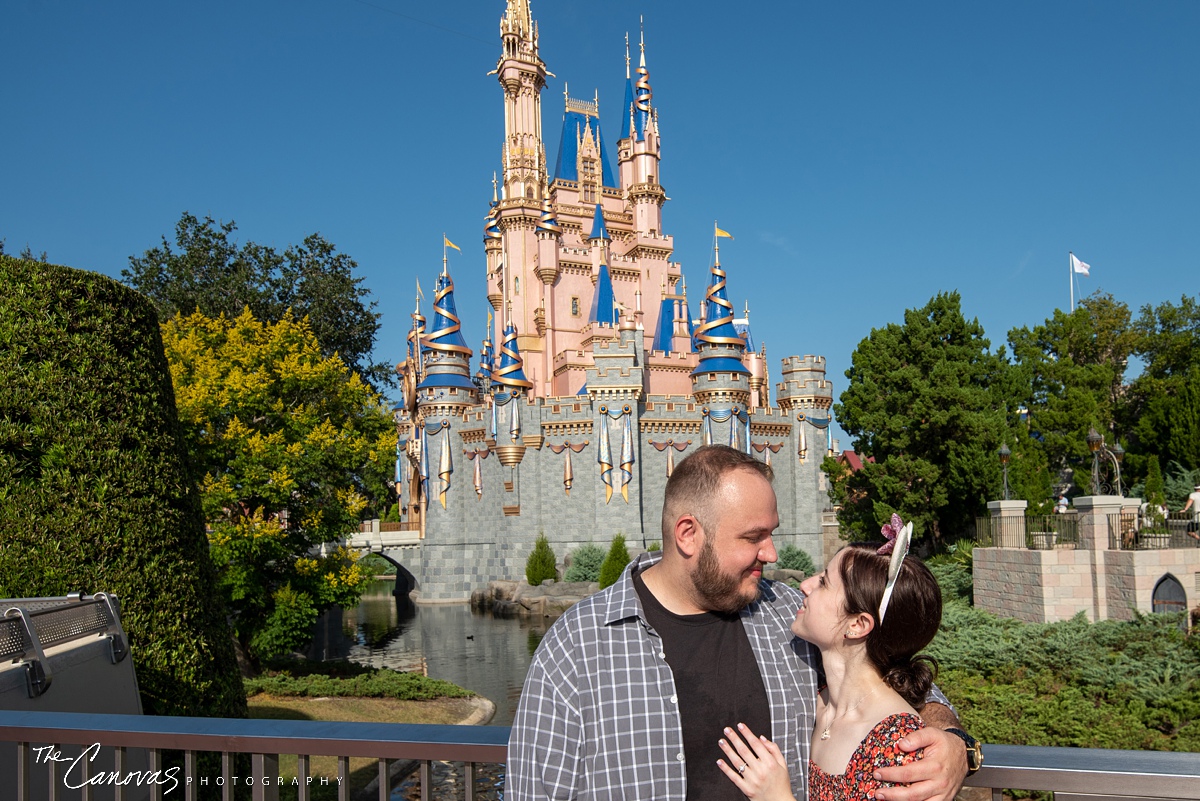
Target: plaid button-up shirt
<point>599,716</point>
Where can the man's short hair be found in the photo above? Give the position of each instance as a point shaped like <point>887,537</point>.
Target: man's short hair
<point>694,484</point>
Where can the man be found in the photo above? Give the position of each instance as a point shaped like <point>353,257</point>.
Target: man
<point>630,690</point>
<point>1193,526</point>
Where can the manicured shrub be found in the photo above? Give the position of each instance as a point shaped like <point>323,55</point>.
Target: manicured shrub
<point>376,683</point>
<point>654,546</point>
<point>614,562</point>
<point>1112,684</point>
<point>585,563</point>
<point>541,562</point>
<point>96,493</point>
<point>792,558</point>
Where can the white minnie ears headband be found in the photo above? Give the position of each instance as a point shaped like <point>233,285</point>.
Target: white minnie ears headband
<point>899,537</point>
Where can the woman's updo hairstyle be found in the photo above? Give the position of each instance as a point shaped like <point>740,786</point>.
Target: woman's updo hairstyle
<point>910,623</point>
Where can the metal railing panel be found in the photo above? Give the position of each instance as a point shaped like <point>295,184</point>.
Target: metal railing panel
<point>1156,774</point>
<point>1083,772</point>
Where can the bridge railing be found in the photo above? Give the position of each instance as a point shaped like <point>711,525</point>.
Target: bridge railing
<point>1072,773</point>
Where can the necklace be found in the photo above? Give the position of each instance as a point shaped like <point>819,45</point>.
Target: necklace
<point>857,704</point>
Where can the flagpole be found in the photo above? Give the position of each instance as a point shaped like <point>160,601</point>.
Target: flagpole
<point>1071,279</point>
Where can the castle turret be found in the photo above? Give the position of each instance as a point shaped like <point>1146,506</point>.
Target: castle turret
<point>509,374</point>
<point>446,384</point>
<point>639,150</point>
<point>604,302</point>
<point>720,377</point>
<point>493,246</point>
<point>523,75</point>
<point>804,387</point>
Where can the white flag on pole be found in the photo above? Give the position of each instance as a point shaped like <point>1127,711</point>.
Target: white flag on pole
<point>1078,266</point>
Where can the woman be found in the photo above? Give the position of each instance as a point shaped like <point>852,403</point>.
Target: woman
<point>869,613</point>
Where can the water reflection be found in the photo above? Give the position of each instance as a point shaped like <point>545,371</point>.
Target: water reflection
<point>484,654</point>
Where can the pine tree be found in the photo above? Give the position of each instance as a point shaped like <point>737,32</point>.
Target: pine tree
<point>541,564</point>
<point>614,563</point>
<point>586,561</point>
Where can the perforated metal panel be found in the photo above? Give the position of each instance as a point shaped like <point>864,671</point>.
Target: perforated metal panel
<point>55,621</point>
<point>12,639</point>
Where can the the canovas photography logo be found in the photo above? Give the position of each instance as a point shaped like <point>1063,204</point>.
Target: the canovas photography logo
<point>77,776</point>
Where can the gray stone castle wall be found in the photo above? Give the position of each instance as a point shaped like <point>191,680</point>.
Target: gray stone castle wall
<point>473,541</point>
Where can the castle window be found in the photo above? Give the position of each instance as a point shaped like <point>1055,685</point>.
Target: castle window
<point>516,285</point>
<point>575,306</point>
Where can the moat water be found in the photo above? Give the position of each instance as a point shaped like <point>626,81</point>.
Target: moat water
<point>484,654</point>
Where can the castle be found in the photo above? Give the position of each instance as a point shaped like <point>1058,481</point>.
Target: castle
<point>601,378</point>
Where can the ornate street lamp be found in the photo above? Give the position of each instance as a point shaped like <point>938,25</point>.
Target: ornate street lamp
<point>1094,441</point>
<point>1005,455</point>
<point>1116,453</point>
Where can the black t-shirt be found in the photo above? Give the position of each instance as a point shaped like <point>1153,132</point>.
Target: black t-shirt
<point>718,685</point>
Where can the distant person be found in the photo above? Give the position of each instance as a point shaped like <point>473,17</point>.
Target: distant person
<point>1061,506</point>
<point>1193,503</point>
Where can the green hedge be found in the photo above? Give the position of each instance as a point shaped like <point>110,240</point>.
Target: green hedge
<point>375,684</point>
<point>95,489</point>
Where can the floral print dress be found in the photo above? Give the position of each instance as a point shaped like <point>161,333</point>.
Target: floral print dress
<point>878,749</point>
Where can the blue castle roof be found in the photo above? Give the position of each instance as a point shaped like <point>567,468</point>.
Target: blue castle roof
<point>626,107</point>
<point>510,371</point>
<point>718,331</point>
<point>666,326</point>
<point>599,229</point>
<point>603,308</point>
<point>447,332</point>
<point>718,313</point>
<point>568,149</point>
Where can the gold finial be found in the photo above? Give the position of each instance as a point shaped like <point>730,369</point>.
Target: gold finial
<point>626,55</point>
<point>566,97</point>
<point>642,45</point>
<point>495,198</point>
<point>747,312</point>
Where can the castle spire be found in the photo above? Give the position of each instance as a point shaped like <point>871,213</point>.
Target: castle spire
<point>644,93</point>
<point>510,372</point>
<point>522,73</point>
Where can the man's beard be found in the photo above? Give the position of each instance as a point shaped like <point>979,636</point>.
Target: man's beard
<point>720,592</point>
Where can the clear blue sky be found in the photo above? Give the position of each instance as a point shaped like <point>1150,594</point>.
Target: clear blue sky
<point>865,155</point>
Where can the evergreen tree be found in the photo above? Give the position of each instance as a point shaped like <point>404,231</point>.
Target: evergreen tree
<point>614,562</point>
<point>1155,491</point>
<point>1074,368</point>
<point>792,558</point>
<point>922,401</point>
<point>541,564</point>
<point>585,563</point>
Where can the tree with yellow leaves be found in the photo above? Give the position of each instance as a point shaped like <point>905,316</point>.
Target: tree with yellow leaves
<point>290,448</point>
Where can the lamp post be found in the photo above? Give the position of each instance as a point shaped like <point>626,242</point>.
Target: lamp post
<point>1116,453</point>
<point>1094,441</point>
<point>1005,455</point>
